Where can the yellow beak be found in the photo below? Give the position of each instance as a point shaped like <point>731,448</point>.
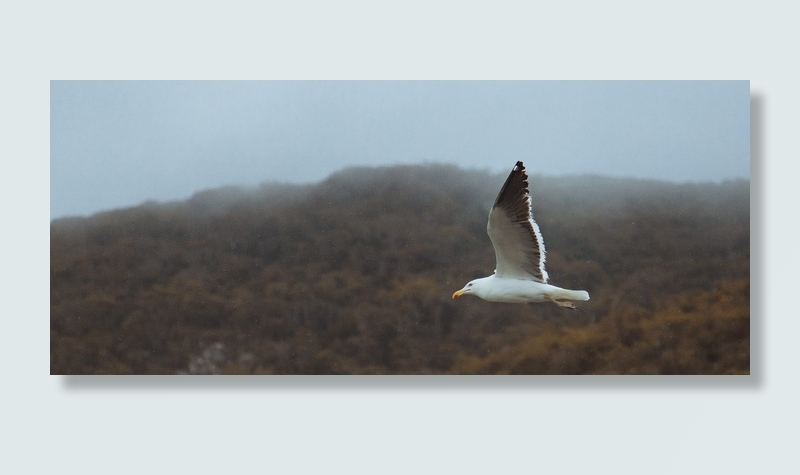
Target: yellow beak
<point>458,293</point>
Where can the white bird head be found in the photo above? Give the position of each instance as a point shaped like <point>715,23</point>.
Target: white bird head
<point>473,287</point>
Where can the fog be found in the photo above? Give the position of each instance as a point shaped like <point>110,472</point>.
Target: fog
<point>120,143</point>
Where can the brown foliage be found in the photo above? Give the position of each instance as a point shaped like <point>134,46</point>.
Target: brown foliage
<point>354,276</point>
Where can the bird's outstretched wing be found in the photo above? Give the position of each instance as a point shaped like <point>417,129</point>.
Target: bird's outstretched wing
<point>518,244</point>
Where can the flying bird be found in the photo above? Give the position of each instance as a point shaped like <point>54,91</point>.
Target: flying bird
<point>519,276</point>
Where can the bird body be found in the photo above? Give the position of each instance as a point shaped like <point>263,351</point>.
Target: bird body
<point>520,275</point>
<point>495,289</point>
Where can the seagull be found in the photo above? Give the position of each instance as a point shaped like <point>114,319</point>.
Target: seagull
<point>519,276</point>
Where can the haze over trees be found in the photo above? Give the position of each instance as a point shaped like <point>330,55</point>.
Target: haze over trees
<point>354,275</point>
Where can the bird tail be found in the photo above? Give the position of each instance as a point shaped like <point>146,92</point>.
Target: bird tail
<point>573,294</point>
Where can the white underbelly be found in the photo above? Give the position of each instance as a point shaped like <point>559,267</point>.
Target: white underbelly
<point>523,291</point>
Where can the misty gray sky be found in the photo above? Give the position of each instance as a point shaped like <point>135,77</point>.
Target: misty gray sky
<point>119,143</point>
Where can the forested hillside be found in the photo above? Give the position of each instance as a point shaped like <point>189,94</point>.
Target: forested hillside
<point>354,275</point>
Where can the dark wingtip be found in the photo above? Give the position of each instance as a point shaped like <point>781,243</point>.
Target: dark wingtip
<point>519,168</point>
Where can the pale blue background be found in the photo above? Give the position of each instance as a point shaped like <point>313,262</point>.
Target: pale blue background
<point>565,425</point>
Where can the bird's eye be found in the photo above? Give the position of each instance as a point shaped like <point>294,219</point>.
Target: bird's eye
<point>469,285</point>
